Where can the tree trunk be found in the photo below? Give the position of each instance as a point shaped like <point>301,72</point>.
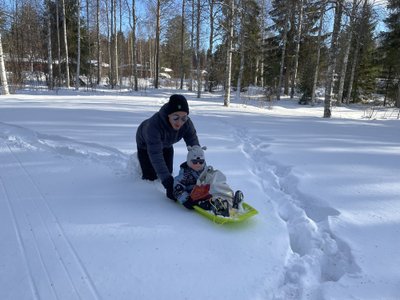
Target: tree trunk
<point>332,59</point>
<point>191,50</point>
<point>134,57</point>
<point>259,69</point>
<point>296,57</point>
<point>316,71</point>
<point>284,41</point>
<point>66,44</point>
<point>98,41</point>
<point>151,59</point>
<point>263,26</point>
<point>182,43</point>
<point>110,28</point>
<point>3,72</point>
<point>78,60</point>
<point>198,71</point>
<point>109,42</point>
<point>115,43</point>
<point>119,47</point>
<point>241,66</point>
<point>158,29</point>
<point>211,45</point>
<point>228,74</point>
<point>49,54</point>
<point>88,35</point>
<point>58,43</point>
<point>346,53</point>
<point>388,80</point>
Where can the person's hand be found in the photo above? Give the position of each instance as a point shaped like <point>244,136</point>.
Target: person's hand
<point>168,184</point>
<point>189,203</point>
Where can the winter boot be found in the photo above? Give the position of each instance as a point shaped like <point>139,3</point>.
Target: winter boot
<point>237,199</point>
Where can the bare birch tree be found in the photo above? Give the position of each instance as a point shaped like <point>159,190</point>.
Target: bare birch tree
<point>182,43</point>
<point>3,72</point>
<point>242,50</point>
<point>191,48</point>
<point>332,59</point>
<point>65,44</point>
<point>58,42</point>
<point>99,63</point>
<point>134,57</point>
<point>229,49</point>
<point>157,52</point>
<point>88,36</point>
<point>109,43</point>
<point>297,51</point>
<point>49,54</point>
<point>78,59</point>
<point>211,4</point>
<point>262,36</point>
<point>115,34</point>
<point>284,42</point>
<point>198,29</point>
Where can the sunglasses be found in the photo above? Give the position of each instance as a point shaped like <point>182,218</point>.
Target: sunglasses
<point>197,161</point>
<point>176,118</point>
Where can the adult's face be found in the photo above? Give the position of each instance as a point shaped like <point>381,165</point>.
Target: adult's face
<point>177,119</point>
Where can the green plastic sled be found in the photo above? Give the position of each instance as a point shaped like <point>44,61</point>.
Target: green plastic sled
<point>248,212</point>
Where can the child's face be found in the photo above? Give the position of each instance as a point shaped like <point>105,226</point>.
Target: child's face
<point>197,165</point>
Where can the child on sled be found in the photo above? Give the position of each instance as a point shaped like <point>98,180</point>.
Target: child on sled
<point>201,185</point>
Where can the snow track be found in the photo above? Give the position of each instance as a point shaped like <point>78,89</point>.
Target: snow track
<point>316,255</point>
<point>52,264</point>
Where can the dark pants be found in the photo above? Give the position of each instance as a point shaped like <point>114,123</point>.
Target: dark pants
<point>148,171</point>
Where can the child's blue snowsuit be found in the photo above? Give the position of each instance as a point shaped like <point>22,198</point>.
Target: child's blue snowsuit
<point>185,181</point>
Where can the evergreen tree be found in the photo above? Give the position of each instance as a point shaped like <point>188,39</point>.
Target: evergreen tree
<point>390,48</point>
<point>309,28</point>
<point>249,43</point>
<point>171,48</point>
<point>366,71</point>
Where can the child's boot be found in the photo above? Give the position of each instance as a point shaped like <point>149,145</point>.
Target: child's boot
<point>237,199</point>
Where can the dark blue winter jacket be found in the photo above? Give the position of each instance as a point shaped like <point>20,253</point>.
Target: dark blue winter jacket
<point>156,134</point>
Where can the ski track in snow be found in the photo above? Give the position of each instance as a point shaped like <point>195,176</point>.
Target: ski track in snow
<point>45,249</point>
<point>316,255</point>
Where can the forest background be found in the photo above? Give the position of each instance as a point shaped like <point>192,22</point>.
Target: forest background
<point>348,51</point>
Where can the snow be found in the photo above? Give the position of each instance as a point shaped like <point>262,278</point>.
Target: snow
<point>76,220</point>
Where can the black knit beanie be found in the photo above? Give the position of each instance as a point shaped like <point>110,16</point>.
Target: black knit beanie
<point>177,103</point>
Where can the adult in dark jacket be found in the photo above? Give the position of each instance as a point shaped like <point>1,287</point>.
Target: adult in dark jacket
<point>155,138</point>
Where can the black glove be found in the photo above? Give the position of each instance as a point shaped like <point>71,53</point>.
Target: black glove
<point>189,203</point>
<point>168,184</point>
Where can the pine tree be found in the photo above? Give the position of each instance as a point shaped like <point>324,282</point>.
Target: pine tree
<point>391,46</point>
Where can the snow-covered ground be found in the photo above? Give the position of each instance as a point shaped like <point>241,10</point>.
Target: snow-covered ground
<point>77,222</point>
